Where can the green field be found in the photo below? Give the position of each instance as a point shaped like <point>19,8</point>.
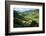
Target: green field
<point>26,19</point>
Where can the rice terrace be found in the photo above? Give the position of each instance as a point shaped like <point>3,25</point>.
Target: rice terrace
<point>26,17</point>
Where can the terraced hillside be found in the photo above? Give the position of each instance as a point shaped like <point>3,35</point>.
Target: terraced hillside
<point>26,19</point>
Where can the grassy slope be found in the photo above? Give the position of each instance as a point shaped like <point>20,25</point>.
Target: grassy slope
<point>28,18</point>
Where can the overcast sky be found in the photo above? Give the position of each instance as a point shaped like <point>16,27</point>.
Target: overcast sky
<point>22,9</point>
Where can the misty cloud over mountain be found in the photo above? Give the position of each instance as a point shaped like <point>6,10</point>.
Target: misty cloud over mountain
<point>23,9</point>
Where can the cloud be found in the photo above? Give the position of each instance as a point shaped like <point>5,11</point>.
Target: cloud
<point>22,9</point>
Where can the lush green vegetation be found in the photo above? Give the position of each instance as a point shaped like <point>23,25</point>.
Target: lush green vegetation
<point>26,19</point>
